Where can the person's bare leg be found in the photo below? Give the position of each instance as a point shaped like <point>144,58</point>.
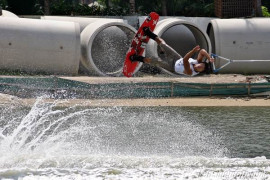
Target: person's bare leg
<point>159,40</point>
<point>153,36</point>
<point>147,60</point>
<point>165,49</point>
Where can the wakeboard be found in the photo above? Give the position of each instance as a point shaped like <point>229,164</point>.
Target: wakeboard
<point>139,43</point>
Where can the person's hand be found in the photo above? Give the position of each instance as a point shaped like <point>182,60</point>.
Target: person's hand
<point>212,60</point>
<point>196,48</point>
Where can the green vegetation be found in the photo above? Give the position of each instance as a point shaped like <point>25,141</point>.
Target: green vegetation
<point>116,7</point>
<point>63,7</point>
<point>3,4</point>
<point>112,7</point>
<point>174,7</point>
<point>265,12</point>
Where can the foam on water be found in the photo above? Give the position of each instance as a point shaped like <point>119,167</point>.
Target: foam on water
<point>48,142</point>
<point>130,167</point>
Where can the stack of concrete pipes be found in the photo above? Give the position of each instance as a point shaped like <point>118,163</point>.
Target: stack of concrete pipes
<point>97,47</point>
<point>62,45</point>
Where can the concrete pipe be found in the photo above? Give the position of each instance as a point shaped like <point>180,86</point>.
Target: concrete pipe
<point>83,22</point>
<point>34,46</point>
<point>104,47</point>
<point>8,14</point>
<point>241,39</point>
<point>180,35</point>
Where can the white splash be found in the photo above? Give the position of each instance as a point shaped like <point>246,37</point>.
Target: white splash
<point>51,142</point>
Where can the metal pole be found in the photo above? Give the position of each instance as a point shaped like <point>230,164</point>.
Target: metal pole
<point>211,90</point>
<point>249,87</point>
<point>172,88</point>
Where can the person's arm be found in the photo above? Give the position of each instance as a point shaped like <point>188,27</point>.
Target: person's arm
<point>187,70</point>
<point>204,53</point>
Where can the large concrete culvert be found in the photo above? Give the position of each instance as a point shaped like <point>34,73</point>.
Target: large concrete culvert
<point>82,21</point>
<point>9,14</point>
<point>36,46</point>
<point>241,39</point>
<point>180,35</point>
<point>104,47</point>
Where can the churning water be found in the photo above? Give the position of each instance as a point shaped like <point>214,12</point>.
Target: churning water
<point>49,142</point>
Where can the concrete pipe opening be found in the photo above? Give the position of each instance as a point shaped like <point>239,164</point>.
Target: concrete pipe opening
<point>180,35</point>
<point>241,39</point>
<point>104,47</point>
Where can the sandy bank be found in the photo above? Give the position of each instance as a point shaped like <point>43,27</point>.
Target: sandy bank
<point>207,79</point>
<point>181,102</point>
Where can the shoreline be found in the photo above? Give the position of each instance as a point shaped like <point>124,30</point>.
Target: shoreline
<point>177,102</point>
<point>158,91</point>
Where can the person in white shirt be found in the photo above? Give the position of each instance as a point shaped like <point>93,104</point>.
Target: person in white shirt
<point>174,62</point>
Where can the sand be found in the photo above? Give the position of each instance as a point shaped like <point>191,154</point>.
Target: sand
<point>207,79</point>
<point>181,102</point>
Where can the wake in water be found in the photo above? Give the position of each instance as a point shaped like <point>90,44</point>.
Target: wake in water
<point>115,130</point>
<point>55,142</point>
